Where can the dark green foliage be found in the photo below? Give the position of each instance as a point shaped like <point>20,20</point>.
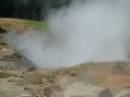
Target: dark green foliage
<point>29,9</point>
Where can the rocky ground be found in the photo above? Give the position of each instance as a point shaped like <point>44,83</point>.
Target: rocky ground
<point>19,77</point>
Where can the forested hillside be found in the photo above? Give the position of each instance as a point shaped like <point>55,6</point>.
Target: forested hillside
<point>29,9</point>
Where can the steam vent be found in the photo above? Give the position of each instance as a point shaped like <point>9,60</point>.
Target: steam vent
<point>10,59</point>
<point>64,48</point>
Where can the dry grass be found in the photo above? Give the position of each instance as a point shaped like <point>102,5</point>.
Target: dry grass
<point>20,25</point>
<point>10,24</point>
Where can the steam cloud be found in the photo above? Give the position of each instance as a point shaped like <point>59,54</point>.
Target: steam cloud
<point>95,30</point>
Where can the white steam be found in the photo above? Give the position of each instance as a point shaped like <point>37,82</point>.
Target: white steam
<point>96,30</point>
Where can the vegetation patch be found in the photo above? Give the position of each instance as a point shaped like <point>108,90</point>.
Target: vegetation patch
<point>39,25</point>
<point>20,25</point>
<point>5,74</point>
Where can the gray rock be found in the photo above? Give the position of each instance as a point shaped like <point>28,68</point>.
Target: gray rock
<point>81,89</point>
<point>25,95</point>
<point>57,94</point>
<point>124,93</point>
<point>18,61</point>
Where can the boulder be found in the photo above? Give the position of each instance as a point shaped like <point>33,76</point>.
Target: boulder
<point>82,89</point>
<point>2,30</point>
<point>124,93</point>
<point>18,61</point>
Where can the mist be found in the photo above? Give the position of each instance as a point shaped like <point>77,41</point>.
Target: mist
<point>89,31</point>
